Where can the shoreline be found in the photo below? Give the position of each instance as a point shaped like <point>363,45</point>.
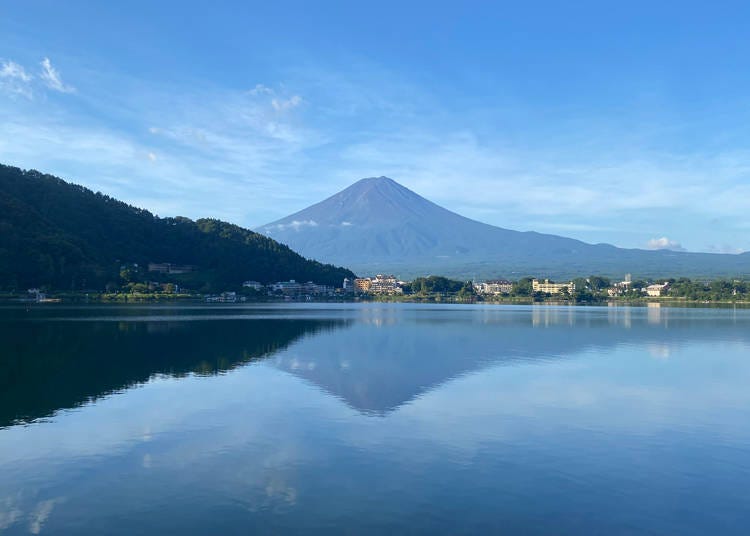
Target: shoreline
<point>92,299</point>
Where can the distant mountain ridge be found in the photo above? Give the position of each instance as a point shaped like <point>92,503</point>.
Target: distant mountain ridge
<point>377,224</point>
<point>61,235</point>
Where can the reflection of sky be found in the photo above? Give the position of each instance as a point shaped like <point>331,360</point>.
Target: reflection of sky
<point>593,428</point>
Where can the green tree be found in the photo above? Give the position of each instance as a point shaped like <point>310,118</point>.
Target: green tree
<point>522,287</point>
<point>68,237</point>
<point>598,283</point>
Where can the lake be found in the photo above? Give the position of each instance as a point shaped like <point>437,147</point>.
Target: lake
<point>374,418</point>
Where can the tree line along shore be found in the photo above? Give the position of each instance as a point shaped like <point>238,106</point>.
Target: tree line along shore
<point>430,289</point>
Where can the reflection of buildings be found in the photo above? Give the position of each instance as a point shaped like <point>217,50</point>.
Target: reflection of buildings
<point>619,315</point>
<point>659,351</point>
<point>545,316</point>
<point>551,288</point>
<point>414,349</point>
<point>654,313</point>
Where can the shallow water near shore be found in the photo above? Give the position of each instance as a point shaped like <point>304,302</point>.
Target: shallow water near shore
<point>367,418</point>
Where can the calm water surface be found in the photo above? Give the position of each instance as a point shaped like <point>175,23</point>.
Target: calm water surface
<point>364,419</point>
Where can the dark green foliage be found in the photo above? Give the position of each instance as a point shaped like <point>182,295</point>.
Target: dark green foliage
<point>64,236</point>
<point>718,290</point>
<point>584,295</point>
<point>597,282</point>
<point>523,287</point>
<point>594,283</point>
<point>437,284</point>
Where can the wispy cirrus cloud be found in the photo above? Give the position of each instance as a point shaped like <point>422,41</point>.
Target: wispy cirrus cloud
<point>52,78</point>
<point>14,80</point>
<point>278,100</point>
<point>233,147</point>
<point>544,181</point>
<point>256,155</point>
<point>12,70</point>
<point>281,105</point>
<point>261,89</point>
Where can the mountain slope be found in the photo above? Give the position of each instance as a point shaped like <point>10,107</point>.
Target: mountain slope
<point>377,224</point>
<point>65,236</point>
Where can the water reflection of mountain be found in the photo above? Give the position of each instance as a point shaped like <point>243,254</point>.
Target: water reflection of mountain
<point>388,356</point>
<point>50,365</point>
<point>391,357</point>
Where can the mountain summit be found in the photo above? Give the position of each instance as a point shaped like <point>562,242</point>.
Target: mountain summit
<point>368,202</point>
<point>379,220</point>
<point>377,224</point>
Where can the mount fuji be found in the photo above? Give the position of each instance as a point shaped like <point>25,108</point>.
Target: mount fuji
<point>378,225</point>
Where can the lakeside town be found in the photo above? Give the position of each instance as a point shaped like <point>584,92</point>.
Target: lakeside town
<point>159,281</point>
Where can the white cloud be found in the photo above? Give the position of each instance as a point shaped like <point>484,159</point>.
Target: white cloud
<point>266,159</point>
<point>111,162</point>
<point>10,69</point>
<point>281,105</point>
<point>278,101</point>
<point>584,193</point>
<point>52,79</point>
<point>724,248</point>
<point>41,513</point>
<point>664,243</point>
<point>14,79</point>
<point>296,225</point>
<point>152,157</point>
<point>261,89</point>
<point>10,513</point>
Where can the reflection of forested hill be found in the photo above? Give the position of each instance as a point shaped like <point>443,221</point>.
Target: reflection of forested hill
<point>386,357</point>
<point>50,365</point>
<point>384,362</point>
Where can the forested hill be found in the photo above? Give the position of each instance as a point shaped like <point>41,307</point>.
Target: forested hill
<point>64,236</point>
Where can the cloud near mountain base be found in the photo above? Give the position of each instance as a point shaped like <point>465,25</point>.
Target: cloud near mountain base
<point>664,243</point>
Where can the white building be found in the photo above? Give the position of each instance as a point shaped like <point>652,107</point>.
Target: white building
<point>290,287</point>
<point>551,288</point>
<point>618,289</point>
<point>495,286</point>
<point>657,290</point>
<point>313,288</point>
<point>385,284</point>
<point>255,285</point>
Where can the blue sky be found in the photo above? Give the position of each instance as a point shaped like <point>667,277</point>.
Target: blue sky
<point>612,122</point>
